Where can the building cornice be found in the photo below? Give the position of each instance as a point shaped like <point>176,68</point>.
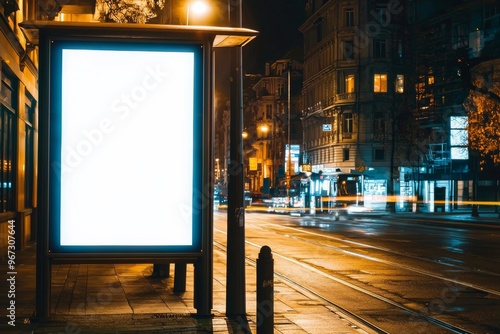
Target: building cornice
<point>15,43</point>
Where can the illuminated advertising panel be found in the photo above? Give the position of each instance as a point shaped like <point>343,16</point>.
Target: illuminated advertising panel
<point>126,124</point>
<point>459,137</point>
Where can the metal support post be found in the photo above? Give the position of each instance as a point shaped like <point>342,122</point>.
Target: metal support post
<point>265,291</point>
<point>235,293</point>
<point>161,270</point>
<point>180,277</point>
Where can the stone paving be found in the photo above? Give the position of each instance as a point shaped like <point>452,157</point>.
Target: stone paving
<point>125,298</point>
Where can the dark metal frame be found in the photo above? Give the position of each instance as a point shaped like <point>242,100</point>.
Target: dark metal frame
<point>42,33</point>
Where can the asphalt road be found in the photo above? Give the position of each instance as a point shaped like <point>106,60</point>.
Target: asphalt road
<point>398,274</point>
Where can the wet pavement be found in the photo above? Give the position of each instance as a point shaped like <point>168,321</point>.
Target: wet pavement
<point>127,298</point>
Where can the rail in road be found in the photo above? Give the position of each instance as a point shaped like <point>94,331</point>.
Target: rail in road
<point>384,289</point>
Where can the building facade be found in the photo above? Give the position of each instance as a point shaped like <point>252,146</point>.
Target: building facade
<point>383,92</point>
<point>355,87</point>
<point>272,124</point>
<point>450,42</point>
<point>18,128</point>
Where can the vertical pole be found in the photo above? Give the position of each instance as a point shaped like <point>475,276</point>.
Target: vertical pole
<point>180,277</point>
<point>289,152</point>
<point>203,267</point>
<point>235,294</point>
<point>43,262</point>
<point>265,291</point>
<point>43,271</point>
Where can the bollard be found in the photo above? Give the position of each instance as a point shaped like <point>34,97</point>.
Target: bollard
<point>265,291</point>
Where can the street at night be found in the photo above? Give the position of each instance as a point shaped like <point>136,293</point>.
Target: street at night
<point>399,274</point>
<point>268,167</point>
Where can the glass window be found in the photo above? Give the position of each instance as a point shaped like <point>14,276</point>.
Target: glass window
<point>380,83</point>
<point>379,48</point>
<point>349,83</point>
<point>7,143</point>
<point>380,14</point>
<point>491,16</point>
<point>459,137</point>
<point>400,83</point>
<point>347,123</point>
<point>400,49</point>
<point>29,159</point>
<point>269,111</point>
<point>349,17</point>
<point>281,88</point>
<point>348,50</point>
<point>6,90</point>
<point>345,153</point>
<point>378,154</point>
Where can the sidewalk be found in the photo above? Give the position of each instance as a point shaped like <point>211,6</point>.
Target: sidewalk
<point>489,217</point>
<point>485,216</point>
<point>125,298</point>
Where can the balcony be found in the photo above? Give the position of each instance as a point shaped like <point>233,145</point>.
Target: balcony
<point>345,98</point>
<point>438,154</point>
<point>347,135</point>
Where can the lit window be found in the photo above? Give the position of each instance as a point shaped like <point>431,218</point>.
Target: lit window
<point>400,83</point>
<point>380,83</point>
<point>459,137</point>
<point>349,83</point>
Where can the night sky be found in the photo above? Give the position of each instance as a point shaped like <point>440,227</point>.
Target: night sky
<point>278,22</point>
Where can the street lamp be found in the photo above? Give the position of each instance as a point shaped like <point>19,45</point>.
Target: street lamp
<point>198,7</point>
<point>264,128</point>
<point>217,171</point>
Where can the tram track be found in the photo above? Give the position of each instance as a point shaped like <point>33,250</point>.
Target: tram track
<point>393,263</point>
<point>360,321</point>
<point>352,317</point>
<point>400,308</point>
